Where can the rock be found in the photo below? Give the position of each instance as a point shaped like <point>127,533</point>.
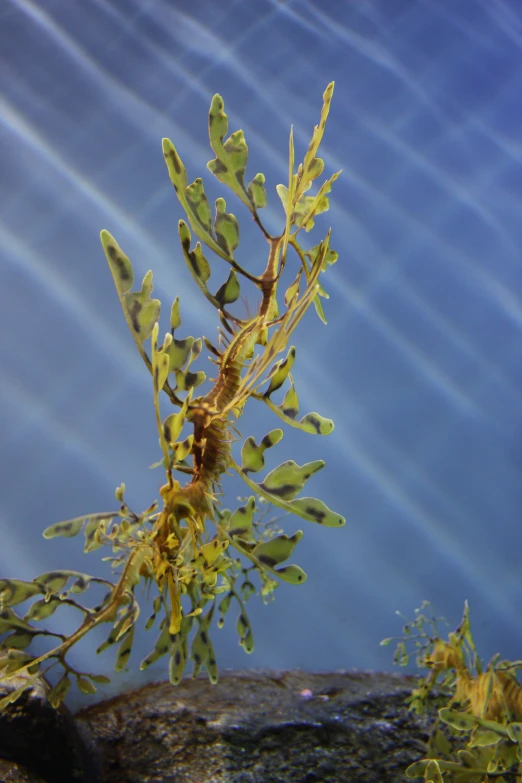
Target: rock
<point>11,772</point>
<point>252,727</point>
<point>39,743</point>
<point>260,727</point>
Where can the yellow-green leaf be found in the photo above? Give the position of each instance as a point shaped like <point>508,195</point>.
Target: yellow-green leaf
<point>142,310</point>
<point>253,456</point>
<point>15,591</point>
<point>257,191</point>
<point>197,199</point>
<point>59,691</point>
<point>229,291</point>
<point>230,163</point>
<point>292,574</point>
<point>316,511</point>
<point>85,685</point>
<point>175,318</point>
<point>484,737</point>
<point>288,479</point>
<point>278,549</point>
<point>162,647</point>
<point>279,373</point>
<point>43,608</point>
<point>124,651</point>
<point>119,264</point>
<point>459,720</point>
<point>186,380</point>
<point>65,529</point>
<point>240,522</point>
<point>226,228</point>
<point>433,773</point>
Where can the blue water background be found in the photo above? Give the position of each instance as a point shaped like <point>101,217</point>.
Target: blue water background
<point>420,364</point>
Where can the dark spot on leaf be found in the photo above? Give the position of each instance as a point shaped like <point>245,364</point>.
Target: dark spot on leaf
<point>55,575</point>
<point>266,442</point>
<point>315,422</point>
<point>282,492</point>
<point>204,638</point>
<point>315,513</point>
<point>197,658</point>
<point>238,531</point>
<point>268,561</point>
<point>223,244</point>
<point>177,657</point>
<point>119,262</point>
<point>134,312</point>
<point>219,167</point>
<point>190,378</point>
<point>175,161</point>
<point>284,569</point>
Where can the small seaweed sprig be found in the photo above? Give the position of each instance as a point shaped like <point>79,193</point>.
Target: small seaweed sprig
<point>198,557</point>
<point>478,735</point>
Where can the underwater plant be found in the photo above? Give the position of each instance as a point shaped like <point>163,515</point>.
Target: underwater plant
<point>478,735</point>
<point>199,557</point>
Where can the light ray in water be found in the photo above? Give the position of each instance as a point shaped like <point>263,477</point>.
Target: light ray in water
<point>503,16</point>
<point>25,132</point>
<point>464,560</point>
<point>431,372</point>
<point>137,111</point>
<point>420,230</point>
<point>140,113</point>
<point>71,302</point>
<point>35,412</point>
<point>110,213</point>
<point>377,54</point>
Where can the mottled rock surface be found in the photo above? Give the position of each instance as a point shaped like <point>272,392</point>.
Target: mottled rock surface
<point>39,743</point>
<point>264,727</point>
<point>252,727</point>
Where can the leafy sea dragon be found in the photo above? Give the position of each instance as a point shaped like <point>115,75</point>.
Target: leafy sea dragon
<point>184,548</point>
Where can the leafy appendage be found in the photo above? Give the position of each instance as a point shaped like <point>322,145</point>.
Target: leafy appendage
<point>140,310</point>
<point>229,165</point>
<point>483,728</point>
<point>253,455</point>
<point>201,559</point>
